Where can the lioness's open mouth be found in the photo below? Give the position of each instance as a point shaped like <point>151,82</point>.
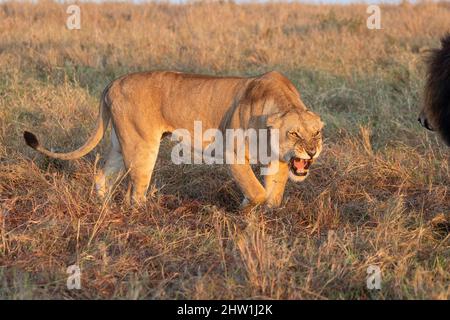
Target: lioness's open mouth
<point>299,166</point>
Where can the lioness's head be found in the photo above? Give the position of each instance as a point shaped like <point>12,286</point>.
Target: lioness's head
<point>300,140</point>
<point>435,113</point>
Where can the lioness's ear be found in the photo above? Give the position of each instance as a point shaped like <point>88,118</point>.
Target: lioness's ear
<point>273,120</point>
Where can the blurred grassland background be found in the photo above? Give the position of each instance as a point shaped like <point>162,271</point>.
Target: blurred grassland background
<point>378,195</point>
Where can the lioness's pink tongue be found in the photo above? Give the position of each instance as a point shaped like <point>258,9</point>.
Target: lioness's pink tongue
<point>299,164</point>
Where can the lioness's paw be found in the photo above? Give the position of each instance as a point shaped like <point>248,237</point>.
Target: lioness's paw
<point>247,204</point>
<point>273,203</point>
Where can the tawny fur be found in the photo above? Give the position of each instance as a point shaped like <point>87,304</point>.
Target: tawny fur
<point>143,107</point>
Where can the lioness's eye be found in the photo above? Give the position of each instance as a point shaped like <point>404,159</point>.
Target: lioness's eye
<point>294,134</point>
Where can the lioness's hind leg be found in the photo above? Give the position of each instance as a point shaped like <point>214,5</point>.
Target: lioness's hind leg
<point>111,172</point>
<point>140,161</point>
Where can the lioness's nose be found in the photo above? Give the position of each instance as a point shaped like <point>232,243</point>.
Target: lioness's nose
<point>311,153</point>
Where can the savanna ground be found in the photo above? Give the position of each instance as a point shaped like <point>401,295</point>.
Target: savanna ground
<point>377,196</point>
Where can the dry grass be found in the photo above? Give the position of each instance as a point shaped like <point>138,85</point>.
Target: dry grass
<point>378,196</point>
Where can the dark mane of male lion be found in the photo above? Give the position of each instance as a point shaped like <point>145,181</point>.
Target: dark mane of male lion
<point>437,89</point>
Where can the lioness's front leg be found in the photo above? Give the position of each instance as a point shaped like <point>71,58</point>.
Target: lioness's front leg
<point>275,183</point>
<point>253,191</point>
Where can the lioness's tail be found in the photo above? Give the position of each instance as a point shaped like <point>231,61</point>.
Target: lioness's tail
<point>101,126</point>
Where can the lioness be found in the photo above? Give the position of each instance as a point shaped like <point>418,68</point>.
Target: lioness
<point>144,107</point>
<point>435,114</point>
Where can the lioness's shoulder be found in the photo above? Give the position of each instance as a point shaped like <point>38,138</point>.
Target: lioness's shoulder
<point>274,75</point>
<point>275,84</point>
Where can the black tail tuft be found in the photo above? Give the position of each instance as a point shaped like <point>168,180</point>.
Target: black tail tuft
<point>31,139</point>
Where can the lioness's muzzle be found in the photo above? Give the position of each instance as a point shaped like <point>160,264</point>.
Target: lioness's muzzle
<point>299,166</point>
